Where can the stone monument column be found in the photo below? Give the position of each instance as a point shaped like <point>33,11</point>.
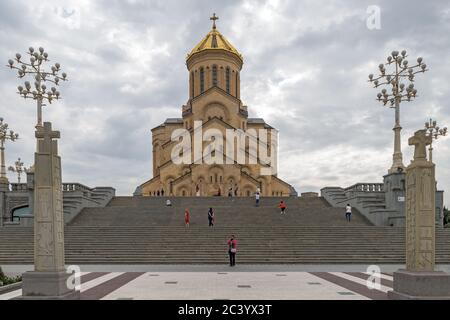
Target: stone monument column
<point>4,185</point>
<point>4,188</point>
<point>420,280</point>
<point>49,280</point>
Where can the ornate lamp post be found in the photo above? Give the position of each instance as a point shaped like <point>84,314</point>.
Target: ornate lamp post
<point>18,168</point>
<point>5,135</point>
<point>434,132</point>
<point>400,82</point>
<point>35,68</point>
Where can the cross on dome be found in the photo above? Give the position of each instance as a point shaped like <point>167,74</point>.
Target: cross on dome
<point>214,18</point>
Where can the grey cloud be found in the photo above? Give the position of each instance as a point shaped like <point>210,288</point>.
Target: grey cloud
<point>305,70</point>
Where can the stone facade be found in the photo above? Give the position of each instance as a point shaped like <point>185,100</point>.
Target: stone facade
<point>214,67</point>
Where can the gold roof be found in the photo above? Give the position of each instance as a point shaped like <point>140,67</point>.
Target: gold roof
<point>214,40</point>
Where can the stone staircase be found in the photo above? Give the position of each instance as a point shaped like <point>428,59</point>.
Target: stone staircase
<point>230,212</point>
<point>136,230</point>
<point>367,198</point>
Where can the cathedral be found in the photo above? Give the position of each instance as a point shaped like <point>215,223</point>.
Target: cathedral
<point>214,67</point>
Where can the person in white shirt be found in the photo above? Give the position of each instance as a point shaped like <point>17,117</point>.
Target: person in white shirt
<point>257,198</point>
<point>348,212</point>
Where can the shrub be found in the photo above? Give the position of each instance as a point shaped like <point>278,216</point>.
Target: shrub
<point>4,280</point>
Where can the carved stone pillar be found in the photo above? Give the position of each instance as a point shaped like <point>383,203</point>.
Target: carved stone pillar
<point>420,280</point>
<point>49,279</point>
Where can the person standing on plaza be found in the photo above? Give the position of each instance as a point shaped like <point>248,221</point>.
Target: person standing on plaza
<point>232,249</point>
<point>257,195</point>
<point>211,217</point>
<point>282,206</point>
<point>187,218</point>
<point>348,212</point>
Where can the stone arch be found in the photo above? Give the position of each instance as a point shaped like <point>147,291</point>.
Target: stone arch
<point>168,187</point>
<point>23,206</point>
<point>182,191</point>
<point>264,183</point>
<point>201,183</point>
<point>215,180</point>
<point>248,190</point>
<point>216,109</point>
<point>230,183</point>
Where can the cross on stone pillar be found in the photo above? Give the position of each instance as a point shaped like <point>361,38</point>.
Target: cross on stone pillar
<point>49,279</point>
<point>420,140</point>
<point>46,134</point>
<point>419,280</point>
<point>214,18</point>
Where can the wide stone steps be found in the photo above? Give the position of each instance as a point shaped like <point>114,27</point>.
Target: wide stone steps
<point>151,211</point>
<point>203,245</point>
<point>136,230</point>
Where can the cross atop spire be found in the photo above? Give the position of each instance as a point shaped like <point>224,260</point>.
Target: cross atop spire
<point>214,18</point>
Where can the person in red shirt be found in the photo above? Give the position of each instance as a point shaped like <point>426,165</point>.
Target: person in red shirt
<point>232,249</point>
<point>282,206</point>
<point>187,218</point>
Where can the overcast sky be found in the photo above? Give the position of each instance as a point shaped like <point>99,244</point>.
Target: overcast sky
<point>305,70</point>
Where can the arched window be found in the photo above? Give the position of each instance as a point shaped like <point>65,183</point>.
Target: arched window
<point>202,80</point>
<point>227,76</point>
<point>214,76</point>
<point>215,177</point>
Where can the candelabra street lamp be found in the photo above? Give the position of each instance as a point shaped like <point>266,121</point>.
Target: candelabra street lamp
<point>4,136</point>
<point>35,69</point>
<point>434,132</point>
<point>400,82</point>
<point>17,168</point>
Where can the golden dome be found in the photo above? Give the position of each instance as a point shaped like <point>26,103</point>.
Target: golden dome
<point>214,40</point>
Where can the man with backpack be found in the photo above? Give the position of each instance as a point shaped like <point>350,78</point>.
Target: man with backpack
<point>232,249</point>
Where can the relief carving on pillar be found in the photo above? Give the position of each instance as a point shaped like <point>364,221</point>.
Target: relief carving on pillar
<point>427,189</point>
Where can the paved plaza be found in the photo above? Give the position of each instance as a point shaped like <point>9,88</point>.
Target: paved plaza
<point>245,282</point>
<point>227,286</point>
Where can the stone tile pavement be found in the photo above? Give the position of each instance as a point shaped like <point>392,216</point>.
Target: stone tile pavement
<point>227,284</point>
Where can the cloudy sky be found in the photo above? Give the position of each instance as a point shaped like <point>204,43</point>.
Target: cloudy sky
<point>305,71</point>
